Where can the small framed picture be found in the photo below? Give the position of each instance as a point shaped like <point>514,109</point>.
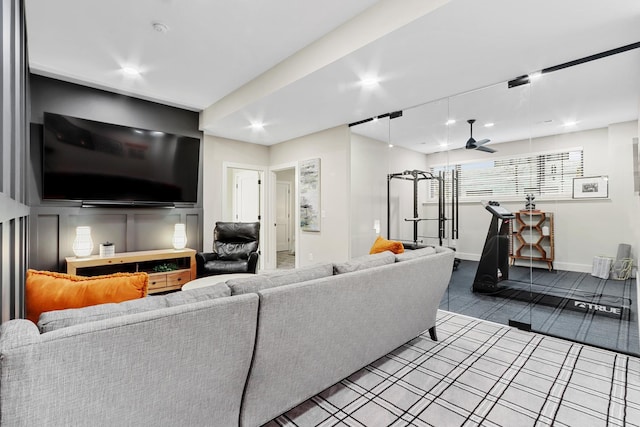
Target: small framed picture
<point>591,187</point>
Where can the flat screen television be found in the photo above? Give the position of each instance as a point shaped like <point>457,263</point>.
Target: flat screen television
<point>86,160</point>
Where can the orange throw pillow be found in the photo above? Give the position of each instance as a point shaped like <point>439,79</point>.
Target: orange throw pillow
<point>381,244</point>
<point>47,291</point>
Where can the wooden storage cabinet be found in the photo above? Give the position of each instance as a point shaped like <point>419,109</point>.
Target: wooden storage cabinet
<point>532,237</point>
<point>129,262</point>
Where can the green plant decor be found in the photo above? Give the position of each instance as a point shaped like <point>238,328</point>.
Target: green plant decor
<point>162,268</point>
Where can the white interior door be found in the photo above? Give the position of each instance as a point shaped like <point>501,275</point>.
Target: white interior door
<point>283,216</point>
<point>246,203</point>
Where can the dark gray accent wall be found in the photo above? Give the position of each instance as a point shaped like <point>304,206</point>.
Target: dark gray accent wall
<point>14,154</point>
<point>130,228</point>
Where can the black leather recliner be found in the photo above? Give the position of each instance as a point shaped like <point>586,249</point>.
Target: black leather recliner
<point>235,249</point>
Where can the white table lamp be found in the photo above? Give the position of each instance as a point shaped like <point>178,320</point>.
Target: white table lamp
<point>179,237</point>
<point>82,244</point>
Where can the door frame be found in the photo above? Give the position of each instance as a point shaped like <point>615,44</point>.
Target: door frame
<point>271,211</point>
<point>262,175</point>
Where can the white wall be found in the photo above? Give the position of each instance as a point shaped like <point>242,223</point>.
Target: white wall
<point>371,162</point>
<point>353,194</point>
<point>332,147</point>
<point>583,228</point>
<point>369,168</point>
<point>217,151</point>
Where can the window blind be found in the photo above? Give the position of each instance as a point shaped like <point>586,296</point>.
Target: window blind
<point>543,175</point>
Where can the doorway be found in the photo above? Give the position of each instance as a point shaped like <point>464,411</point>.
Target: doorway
<point>243,196</point>
<point>285,218</point>
<point>245,206</point>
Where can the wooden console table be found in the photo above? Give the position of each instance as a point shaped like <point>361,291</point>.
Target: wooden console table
<point>153,262</point>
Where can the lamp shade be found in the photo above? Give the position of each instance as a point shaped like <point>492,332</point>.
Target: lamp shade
<point>82,244</point>
<point>179,236</point>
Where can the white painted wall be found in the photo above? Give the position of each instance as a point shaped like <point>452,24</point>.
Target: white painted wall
<point>369,168</point>
<point>354,173</point>
<point>332,147</point>
<point>371,162</point>
<point>217,151</point>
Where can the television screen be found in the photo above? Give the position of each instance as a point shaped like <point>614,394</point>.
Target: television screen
<point>87,160</point>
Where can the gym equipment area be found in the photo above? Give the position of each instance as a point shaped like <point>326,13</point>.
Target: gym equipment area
<point>415,177</point>
<point>492,276</point>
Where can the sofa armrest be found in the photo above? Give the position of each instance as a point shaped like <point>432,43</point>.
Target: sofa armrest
<point>16,333</point>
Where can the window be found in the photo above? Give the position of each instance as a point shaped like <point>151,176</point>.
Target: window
<point>543,175</point>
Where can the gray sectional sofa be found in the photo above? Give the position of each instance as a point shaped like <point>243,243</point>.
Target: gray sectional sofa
<point>236,353</point>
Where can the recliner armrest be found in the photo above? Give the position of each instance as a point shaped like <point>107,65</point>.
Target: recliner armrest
<point>202,258</point>
<point>207,256</point>
<point>253,262</point>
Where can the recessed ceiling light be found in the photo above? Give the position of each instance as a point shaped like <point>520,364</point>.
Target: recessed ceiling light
<point>535,76</point>
<point>489,125</point>
<point>130,71</point>
<point>157,133</point>
<point>369,81</point>
<point>450,122</point>
<point>444,144</point>
<point>570,123</point>
<point>390,145</point>
<point>257,125</point>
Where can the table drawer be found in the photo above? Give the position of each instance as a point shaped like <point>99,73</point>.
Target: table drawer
<point>157,281</point>
<point>178,278</point>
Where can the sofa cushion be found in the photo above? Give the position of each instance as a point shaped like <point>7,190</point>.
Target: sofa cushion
<point>412,254</point>
<point>47,291</point>
<point>381,244</point>
<point>279,278</point>
<point>52,320</point>
<point>363,262</point>
<point>199,294</point>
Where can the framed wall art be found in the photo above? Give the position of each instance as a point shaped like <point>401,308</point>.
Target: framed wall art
<point>591,187</point>
<point>309,185</point>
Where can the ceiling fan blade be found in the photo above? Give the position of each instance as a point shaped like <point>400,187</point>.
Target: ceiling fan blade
<point>482,141</point>
<point>485,149</point>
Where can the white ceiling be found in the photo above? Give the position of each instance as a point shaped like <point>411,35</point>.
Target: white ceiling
<point>227,58</point>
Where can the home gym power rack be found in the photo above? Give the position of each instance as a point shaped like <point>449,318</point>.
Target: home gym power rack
<point>416,176</point>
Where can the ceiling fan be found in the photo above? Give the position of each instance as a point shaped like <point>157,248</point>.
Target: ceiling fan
<point>472,144</point>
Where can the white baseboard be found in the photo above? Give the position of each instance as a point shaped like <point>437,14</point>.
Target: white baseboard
<point>565,266</point>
